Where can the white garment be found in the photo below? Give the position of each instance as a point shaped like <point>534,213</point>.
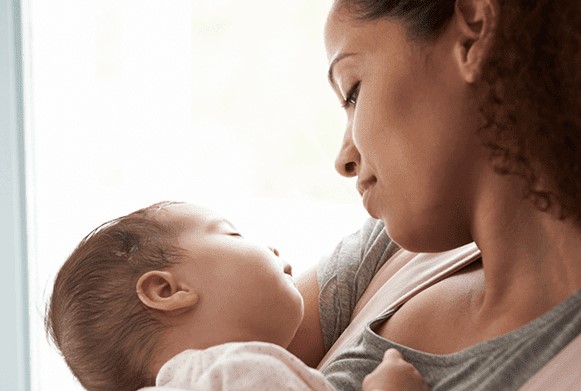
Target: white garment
<point>239,366</point>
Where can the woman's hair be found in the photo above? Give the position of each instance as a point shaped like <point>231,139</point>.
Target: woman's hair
<point>106,335</point>
<point>424,19</point>
<point>532,84</point>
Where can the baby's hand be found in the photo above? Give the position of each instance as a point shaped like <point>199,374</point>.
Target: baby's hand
<point>394,373</point>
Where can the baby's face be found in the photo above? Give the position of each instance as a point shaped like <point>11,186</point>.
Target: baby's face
<point>245,288</point>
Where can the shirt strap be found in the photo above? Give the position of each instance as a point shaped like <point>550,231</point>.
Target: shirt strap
<point>403,276</point>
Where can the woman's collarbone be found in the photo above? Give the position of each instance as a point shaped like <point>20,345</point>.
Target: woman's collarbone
<point>442,318</point>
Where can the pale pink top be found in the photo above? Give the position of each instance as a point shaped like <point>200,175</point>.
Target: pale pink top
<point>239,366</point>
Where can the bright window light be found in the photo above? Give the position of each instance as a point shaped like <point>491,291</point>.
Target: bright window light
<point>222,103</point>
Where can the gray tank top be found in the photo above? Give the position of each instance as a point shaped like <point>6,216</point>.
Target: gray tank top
<point>503,363</point>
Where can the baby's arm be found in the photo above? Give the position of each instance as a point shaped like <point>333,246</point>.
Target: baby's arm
<point>394,373</point>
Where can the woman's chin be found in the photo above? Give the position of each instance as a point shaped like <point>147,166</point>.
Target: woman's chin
<point>433,240</point>
<point>370,205</point>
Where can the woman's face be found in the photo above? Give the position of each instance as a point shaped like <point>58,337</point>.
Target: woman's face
<point>411,129</point>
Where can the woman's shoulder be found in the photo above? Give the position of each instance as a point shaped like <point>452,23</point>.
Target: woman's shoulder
<point>344,275</point>
<point>365,250</point>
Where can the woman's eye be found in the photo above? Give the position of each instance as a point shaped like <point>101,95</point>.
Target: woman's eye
<point>351,98</point>
<point>235,234</point>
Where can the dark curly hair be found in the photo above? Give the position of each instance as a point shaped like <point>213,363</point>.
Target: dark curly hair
<point>532,83</point>
<point>106,335</point>
<point>533,103</point>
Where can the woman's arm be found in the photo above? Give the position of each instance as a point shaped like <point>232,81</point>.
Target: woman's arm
<point>332,288</point>
<point>308,341</point>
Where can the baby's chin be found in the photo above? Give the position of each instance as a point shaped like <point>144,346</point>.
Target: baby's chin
<point>294,322</point>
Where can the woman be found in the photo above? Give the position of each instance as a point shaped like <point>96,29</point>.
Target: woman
<point>463,124</point>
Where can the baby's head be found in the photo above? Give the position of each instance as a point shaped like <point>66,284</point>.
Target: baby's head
<point>144,287</point>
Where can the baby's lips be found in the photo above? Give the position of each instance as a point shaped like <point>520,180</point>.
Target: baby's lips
<point>288,269</point>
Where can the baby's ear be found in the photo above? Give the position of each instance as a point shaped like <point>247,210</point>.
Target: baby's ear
<point>161,290</point>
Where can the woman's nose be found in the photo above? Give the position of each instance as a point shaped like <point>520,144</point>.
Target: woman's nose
<point>347,161</point>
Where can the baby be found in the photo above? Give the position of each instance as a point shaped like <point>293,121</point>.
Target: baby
<point>173,296</point>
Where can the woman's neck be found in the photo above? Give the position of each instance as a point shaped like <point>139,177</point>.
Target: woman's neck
<point>531,259</point>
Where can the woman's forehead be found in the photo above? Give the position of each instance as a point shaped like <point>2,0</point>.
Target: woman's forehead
<point>347,37</point>
<point>341,27</point>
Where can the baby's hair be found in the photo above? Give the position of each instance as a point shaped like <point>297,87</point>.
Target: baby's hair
<point>94,317</point>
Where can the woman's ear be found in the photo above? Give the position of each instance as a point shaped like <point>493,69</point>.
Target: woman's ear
<point>161,290</point>
<point>476,21</point>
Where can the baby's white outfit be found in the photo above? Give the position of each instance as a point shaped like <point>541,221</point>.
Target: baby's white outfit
<point>239,366</point>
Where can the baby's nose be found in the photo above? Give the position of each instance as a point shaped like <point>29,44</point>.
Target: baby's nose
<point>274,250</point>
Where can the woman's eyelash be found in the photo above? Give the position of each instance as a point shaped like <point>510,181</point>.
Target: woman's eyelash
<point>235,234</point>
<point>351,98</point>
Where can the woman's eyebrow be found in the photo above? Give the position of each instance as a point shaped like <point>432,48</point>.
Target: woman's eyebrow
<point>338,58</point>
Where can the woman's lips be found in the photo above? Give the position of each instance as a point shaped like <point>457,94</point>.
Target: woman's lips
<point>364,184</point>
<point>364,188</point>
<point>365,200</point>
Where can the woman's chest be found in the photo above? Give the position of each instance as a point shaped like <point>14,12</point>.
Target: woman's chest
<point>440,319</point>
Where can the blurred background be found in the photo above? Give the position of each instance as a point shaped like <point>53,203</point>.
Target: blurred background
<point>217,102</point>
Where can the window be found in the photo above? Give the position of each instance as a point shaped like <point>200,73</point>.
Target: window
<point>218,102</point>
<point>14,336</point>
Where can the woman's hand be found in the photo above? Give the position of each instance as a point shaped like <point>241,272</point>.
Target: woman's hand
<point>394,373</point>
